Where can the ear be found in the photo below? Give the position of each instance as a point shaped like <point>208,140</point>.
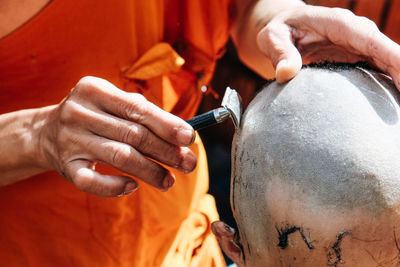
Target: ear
<point>225,236</point>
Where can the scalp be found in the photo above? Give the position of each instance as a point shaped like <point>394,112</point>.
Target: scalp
<point>329,137</point>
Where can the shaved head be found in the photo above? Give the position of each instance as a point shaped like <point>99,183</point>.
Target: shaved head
<point>315,172</point>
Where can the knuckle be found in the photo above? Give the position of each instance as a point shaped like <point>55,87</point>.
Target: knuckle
<point>126,134</point>
<point>267,32</point>
<point>371,37</point>
<point>174,133</point>
<point>141,138</point>
<point>139,97</point>
<point>120,156</point>
<point>136,109</point>
<point>350,18</point>
<point>177,157</point>
<point>86,85</point>
<point>133,135</point>
<point>63,136</point>
<point>271,37</point>
<point>170,155</point>
<point>86,81</point>
<point>341,12</point>
<point>270,28</point>
<point>366,22</point>
<point>70,110</point>
<point>342,17</point>
<point>372,48</point>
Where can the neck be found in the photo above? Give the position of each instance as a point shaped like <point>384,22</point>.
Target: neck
<point>13,14</point>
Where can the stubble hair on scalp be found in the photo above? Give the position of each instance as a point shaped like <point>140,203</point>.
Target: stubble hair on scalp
<point>311,154</point>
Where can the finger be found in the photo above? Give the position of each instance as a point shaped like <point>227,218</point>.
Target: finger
<point>389,60</point>
<point>365,37</point>
<point>127,159</point>
<point>369,41</point>
<point>136,108</point>
<point>142,139</point>
<point>80,172</point>
<point>358,35</point>
<point>275,41</point>
<point>136,135</point>
<point>328,53</point>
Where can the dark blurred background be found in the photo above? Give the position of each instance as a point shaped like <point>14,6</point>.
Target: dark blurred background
<point>217,139</point>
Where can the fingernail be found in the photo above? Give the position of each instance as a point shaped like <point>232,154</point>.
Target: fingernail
<point>189,163</point>
<point>129,188</point>
<point>168,182</point>
<point>186,137</point>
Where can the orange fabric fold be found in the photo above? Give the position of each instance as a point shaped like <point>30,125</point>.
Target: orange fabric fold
<point>195,234</point>
<point>158,60</point>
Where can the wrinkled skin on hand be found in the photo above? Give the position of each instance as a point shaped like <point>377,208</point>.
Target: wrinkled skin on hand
<point>315,34</point>
<point>97,122</point>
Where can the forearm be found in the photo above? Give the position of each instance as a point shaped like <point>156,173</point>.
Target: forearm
<point>251,16</point>
<point>20,155</point>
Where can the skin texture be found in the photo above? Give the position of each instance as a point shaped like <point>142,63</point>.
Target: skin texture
<point>315,179</point>
<point>15,13</point>
<point>278,37</point>
<point>97,122</point>
<point>265,32</point>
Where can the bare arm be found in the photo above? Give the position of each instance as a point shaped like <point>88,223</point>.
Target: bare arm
<point>21,156</point>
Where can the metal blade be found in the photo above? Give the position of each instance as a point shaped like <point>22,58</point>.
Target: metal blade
<point>233,103</point>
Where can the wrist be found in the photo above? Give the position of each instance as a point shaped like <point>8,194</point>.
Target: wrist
<point>28,132</point>
<point>20,144</point>
<point>40,146</point>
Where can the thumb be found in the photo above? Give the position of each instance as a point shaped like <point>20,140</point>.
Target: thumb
<point>85,178</point>
<point>275,41</point>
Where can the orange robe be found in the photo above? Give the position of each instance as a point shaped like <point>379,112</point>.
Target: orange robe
<point>164,49</point>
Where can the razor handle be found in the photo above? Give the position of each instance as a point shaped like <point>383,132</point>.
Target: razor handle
<point>209,118</point>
